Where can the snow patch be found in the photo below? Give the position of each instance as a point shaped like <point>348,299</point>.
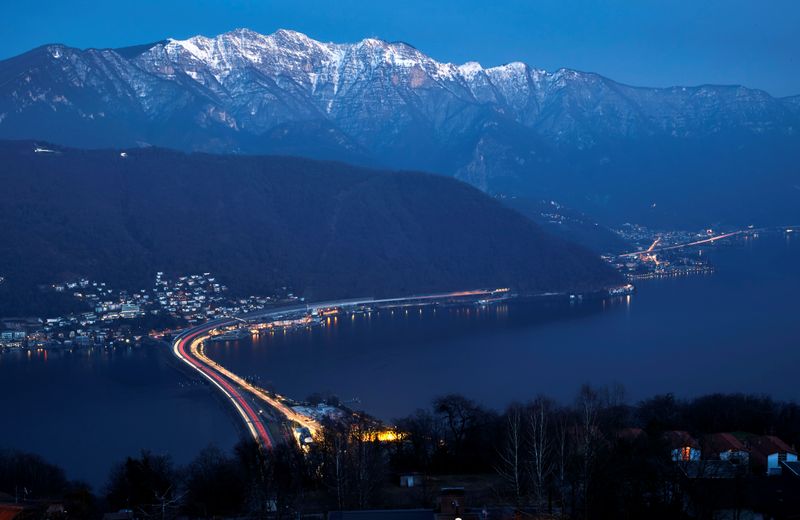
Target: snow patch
<point>470,69</point>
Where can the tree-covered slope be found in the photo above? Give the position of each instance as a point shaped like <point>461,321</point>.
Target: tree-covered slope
<point>322,228</point>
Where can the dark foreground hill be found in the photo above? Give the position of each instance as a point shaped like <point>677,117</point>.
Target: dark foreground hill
<point>323,229</point>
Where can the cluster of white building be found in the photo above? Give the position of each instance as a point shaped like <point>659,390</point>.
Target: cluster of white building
<point>188,299</point>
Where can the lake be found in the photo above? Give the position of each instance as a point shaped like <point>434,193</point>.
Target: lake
<point>735,330</point>
<point>87,409</point>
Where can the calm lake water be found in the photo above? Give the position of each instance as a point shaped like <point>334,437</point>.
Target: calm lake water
<point>89,409</point>
<point>735,330</point>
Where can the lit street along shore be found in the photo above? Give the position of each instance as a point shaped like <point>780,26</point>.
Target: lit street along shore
<point>247,398</point>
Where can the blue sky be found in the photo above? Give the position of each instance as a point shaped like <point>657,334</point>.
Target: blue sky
<point>641,42</point>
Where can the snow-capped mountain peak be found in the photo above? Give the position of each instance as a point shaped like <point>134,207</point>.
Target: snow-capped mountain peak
<point>371,100</point>
<point>294,51</point>
<point>470,69</point>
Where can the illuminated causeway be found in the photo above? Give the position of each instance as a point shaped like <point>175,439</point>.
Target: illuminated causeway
<point>248,399</point>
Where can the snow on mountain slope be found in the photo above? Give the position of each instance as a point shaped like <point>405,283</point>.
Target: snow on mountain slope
<point>506,128</point>
<point>247,81</point>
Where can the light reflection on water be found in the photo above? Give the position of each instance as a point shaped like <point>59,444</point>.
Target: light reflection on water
<point>88,408</point>
<point>736,327</point>
<point>358,355</point>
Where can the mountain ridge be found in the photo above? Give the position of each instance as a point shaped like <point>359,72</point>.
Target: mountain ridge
<point>511,129</point>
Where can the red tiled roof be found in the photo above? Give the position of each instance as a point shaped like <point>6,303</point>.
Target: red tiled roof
<point>717,443</point>
<point>769,444</point>
<point>762,446</point>
<point>680,439</point>
<point>9,511</point>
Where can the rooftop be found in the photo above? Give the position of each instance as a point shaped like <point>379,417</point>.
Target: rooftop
<point>383,514</point>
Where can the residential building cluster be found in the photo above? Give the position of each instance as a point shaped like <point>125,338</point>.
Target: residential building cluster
<point>653,262</point>
<point>726,454</point>
<point>113,316</point>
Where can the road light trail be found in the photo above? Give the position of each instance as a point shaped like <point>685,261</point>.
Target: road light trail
<point>188,347</point>
<point>681,246</point>
<point>653,245</point>
<point>287,412</point>
<point>290,414</point>
<point>251,419</point>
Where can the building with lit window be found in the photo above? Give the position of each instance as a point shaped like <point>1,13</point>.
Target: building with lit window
<point>683,447</point>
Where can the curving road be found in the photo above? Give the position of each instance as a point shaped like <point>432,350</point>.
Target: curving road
<point>186,346</point>
<point>291,415</point>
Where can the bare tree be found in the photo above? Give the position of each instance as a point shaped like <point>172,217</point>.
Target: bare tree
<point>561,456</point>
<point>336,451</point>
<point>258,470</point>
<point>367,463</point>
<point>459,414</point>
<point>145,484</point>
<point>540,442</point>
<point>587,406</point>
<point>352,462</point>
<point>511,466</point>
<point>166,503</point>
<point>615,395</point>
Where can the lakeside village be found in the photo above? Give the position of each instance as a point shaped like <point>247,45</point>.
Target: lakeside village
<point>118,317</point>
<point>668,254</point>
<point>122,318</point>
<point>649,265</point>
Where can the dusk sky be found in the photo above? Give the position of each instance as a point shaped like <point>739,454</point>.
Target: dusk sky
<point>647,43</point>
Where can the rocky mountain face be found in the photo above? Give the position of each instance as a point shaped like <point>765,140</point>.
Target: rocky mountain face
<point>604,147</point>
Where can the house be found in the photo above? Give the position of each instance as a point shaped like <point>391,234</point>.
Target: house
<point>22,324</point>
<point>452,505</point>
<point>767,452</point>
<point>11,338</point>
<point>683,447</point>
<point>10,511</point>
<point>129,310</point>
<point>383,514</point>
<point>411,480</point>
<point>82,341</point>
<point>725,446</point>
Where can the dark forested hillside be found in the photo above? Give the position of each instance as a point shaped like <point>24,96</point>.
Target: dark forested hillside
<point>569,224</point>
<point>321,228</point>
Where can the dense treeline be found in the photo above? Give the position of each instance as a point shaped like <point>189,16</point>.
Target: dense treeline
<point>577,460</point>
<point>540,457</point>
<point>261,223</point>
<point>26,477</point>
